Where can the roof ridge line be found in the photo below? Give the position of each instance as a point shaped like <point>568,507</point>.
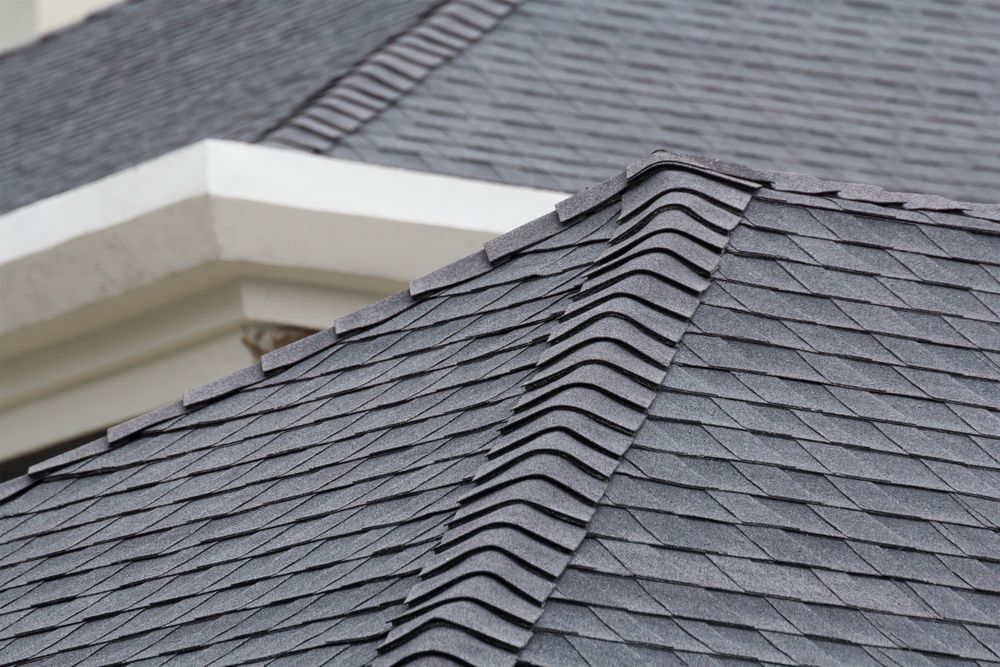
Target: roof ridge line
<point>803,184</point>
<point>522,521</point>
<point>387,74</point>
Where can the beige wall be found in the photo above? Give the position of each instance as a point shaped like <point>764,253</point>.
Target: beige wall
<point>22,21</point>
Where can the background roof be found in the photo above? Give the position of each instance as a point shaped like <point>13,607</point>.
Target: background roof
<point>902,93</point>
<point>899,93</point>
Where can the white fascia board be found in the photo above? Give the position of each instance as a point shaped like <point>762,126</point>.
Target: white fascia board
<point>276,176</point>
<point>110,201</point>
<point>288,178</point>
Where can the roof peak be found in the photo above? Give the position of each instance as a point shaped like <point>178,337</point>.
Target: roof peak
<point>719,183</point>
<point>530,502</point>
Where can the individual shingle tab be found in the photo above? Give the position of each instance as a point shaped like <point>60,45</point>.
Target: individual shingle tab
<point>521,237</point>
<point>223,386</point>
<point>457,272</point>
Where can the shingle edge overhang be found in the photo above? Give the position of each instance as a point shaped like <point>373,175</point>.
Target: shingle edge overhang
<point>527,510</point>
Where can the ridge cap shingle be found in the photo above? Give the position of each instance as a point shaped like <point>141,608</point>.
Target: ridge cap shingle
<point>575,418</point>
<point>803,184</point>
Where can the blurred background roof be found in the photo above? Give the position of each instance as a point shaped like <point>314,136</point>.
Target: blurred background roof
<point>556,94</point>
<point>145,77</point>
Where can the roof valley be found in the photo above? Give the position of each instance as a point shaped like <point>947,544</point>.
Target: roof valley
<point>531,501</point>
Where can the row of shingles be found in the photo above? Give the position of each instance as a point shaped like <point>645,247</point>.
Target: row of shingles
<point>970,470</point>
<point>385,492</point>
<point>688,473</point>
<point>507,313</point>
<point>522,135</point>
<point>208,557</point>
<point>935,327</point>
<point>524,516</point>
<point>296,459</point>
<point>355,488</point>
<point>390,73</point>
<point>679,526</point>
<point>932,493</point>
<point>169,469</point>
<point>330,495</point>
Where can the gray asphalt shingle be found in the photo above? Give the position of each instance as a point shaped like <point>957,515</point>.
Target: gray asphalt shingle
<point>546,93</point>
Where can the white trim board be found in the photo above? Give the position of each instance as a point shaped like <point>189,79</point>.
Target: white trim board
<point>277,176</point>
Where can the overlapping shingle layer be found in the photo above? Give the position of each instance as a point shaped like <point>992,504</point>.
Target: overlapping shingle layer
<point>289,519</point>
<point>698,413</point>
<point>902,93</point>
<point>549,93</point>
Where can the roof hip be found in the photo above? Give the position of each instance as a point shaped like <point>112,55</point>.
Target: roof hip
<point>526,514</point>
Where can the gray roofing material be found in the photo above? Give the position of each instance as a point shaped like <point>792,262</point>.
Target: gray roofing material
<point>559,93</point>
<point>548,93</point>
<point>718,414</point>
<point>149,76</point>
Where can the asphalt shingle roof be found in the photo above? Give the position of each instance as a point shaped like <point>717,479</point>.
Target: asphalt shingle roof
<point>149,76</point>
<point>697,413</point>
<point>902,93</point>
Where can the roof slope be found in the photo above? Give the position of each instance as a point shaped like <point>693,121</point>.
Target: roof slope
<point>561,92</point>
<point>143,78</point>
<point>698,412</point>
